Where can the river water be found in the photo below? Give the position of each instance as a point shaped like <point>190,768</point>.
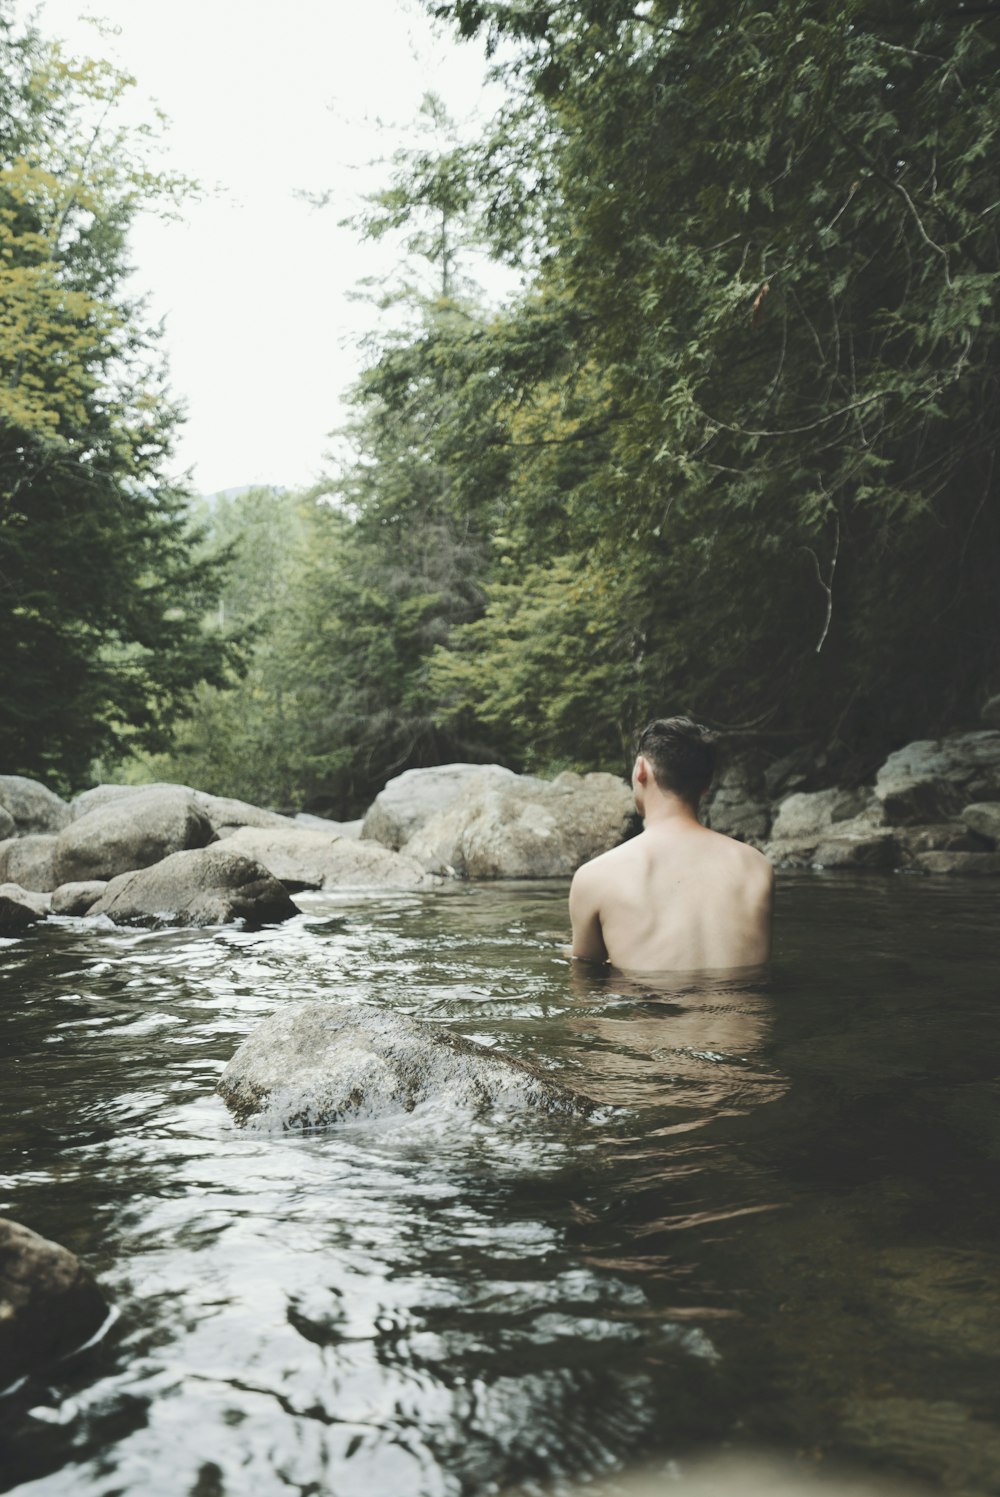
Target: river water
<point>783,1235</point>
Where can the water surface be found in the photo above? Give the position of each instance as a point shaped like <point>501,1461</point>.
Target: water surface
<point>785,1234</point>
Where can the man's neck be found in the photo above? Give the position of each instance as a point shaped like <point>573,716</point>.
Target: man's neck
<point>667,812</point>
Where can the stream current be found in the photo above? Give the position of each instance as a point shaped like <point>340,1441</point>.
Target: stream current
<point>784,1233</point>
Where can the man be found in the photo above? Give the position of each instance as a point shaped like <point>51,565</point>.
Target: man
<point>678,897</point>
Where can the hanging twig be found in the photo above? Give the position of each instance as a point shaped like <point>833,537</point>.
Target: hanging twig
<point>828,585</point>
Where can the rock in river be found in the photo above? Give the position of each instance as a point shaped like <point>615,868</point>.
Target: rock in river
<point>324,1063</point>
<point>49,1304</point>
<point>30,861</point>
<point>932,779</point>
<point>306,858</point>
<point>205,886</point>
<point>525,828</point>
<point>410,800</point>
<point>20,908</point>
<point>130,831</point>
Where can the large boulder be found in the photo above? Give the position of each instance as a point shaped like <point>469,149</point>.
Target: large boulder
<point>31,806</point>
<point>320,1063</point>
<point>932,779</point>
<point>30,861</point>
<point>8,826</point>
<point>938,836</point>
<point>983,819</point>
<point>413,798</point>
<point>20,908</point>
<point>49,1303</point>
<point>306,858</point>
<point>129,832</point>
<point>525,828</point>
<point>205,886</point>
<point>222,812</point>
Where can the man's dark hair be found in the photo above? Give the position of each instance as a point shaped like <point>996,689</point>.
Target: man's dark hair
<point>681,753</point>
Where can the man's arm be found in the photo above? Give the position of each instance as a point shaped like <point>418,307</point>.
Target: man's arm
<point>584,912</point>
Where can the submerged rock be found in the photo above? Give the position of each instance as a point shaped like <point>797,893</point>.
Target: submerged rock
<point>410,800</point>
<point>321,1063</point>
<point>306,858</point>
<point>30,862</point>
<point>49,1303</point>
<point>204,886</point>
<point>128,832</point>
<point>20,908</point>
<point>525,828</point>
<point>31,806</point>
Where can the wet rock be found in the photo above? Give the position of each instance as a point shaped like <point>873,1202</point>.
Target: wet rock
<point>77,899</point>
<point>49,1303</point>
<point>944,836</point>
<point>983,818</point>
<point>31,806</point>
<point>306,858</point>
<point>204,886</point>
<point>30,862</point>
<point>320,1063</point>
<point>970,864</point>
<point>20,908</point>
<point>870,849</point>
<point>412,799</point>
<point>525,827</point>
<point>129,832</point>
<point>932,779</point>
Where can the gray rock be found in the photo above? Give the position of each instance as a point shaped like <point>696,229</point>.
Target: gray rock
<point>8,826</point>
<point>222,812</point>
<point>130,832</point>
<point>30,862</point>
<point>320,1063</point>
<point>968,864</point>
<point>32,807</point>
<point>49,1303</point>
<point>351,829</point>
<point>738,804</point>
<point>20,908</point>
<point>874,849</point>
<point>306,858</point>
<point>77,899</point>
<point>984,819</point>
<point>804,815</point>
<point>412,799</point>
<point>205,886</point>
<point>851,804</point>
<point>525,827</point>
<point>792,853</point>
<point>932,779</point>
<point>943,836</point>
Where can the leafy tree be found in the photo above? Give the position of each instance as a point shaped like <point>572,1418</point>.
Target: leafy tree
<point>101,598</point>
<point>770,234</point>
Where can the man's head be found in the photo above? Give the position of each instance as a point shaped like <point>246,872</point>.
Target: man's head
<point>680,755</point>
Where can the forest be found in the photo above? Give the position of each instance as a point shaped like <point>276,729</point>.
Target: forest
<point>730,447</point>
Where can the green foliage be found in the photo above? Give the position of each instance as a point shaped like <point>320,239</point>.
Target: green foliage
<point>769,249</point>
<point>101,599</point>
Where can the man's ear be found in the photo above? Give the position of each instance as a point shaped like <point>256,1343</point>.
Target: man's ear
<point>641,770</point>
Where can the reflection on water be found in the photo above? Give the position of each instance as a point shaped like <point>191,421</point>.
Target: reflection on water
<point>785,1234</point>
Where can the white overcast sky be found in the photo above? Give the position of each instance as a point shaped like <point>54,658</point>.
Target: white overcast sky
<point>254,285</point>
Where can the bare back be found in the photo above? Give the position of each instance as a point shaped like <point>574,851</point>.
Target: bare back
<point>678,898</point>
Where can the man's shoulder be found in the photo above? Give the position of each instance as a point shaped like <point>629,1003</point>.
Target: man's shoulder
<point>604,864</point>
